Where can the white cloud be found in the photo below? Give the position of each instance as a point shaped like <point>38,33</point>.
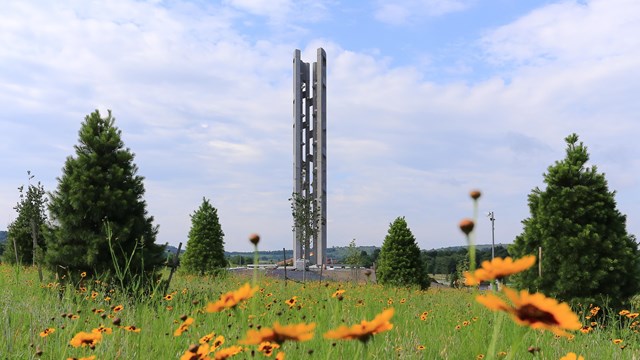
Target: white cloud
<point>568,31</point>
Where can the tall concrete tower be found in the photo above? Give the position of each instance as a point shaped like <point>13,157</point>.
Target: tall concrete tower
<point>310,158</point>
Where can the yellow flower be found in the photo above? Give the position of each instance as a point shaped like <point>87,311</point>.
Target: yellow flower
<point>83,274</point>
<point>420,347</point>
<point>497,269</point>
<point>92,357</point>
<point>227,352</point>
<point>572,356</point>
<point>616,341</point>
<point>365,329</point>
<point>632,315</point>
<point>280,356</point>
<point>47,332</point>
<point>86,339</point>
<point>534,310</point>
<point>168,297</point>
<point>279,334</point>
<point>183,327</point>
<point>232,298</point>
<point>118,308</point>
<point>624,312</point>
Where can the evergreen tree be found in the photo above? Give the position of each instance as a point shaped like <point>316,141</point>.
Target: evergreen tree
<point>587,254</point>
<point>100,221</point>
<point>400,262</point>
<point>25,230</point>
<point>205,247</point>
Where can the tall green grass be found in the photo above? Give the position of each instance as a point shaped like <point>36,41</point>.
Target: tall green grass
<point>456,327</point>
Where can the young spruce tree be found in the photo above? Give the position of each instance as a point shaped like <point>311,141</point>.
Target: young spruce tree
<point>26,229</point>
<point>587,254</point>
<point>100,197</point>
<point>400,262</point>
<point>205,247</point>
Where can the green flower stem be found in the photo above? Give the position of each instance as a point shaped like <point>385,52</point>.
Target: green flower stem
<point>497,324</point>
<point>255,265</point>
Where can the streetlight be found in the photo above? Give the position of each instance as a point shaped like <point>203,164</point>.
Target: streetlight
<point>493,233</point>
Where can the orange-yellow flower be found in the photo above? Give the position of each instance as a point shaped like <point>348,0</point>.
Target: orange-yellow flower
<point>86,339</point>
<point>227,352</point>
<point>47,332</point>
<point>365,329</point>
<point>616,341</point>
<point>92,357</point>
<point>131,328</point>
<point>498,268</point>
<point>572,356</point>
<point>232,298</point>
<point>534,310</point>
<point>183,327</point>
<point>338,292</point>
<point>197,352</point>
<point>207,338</point>
<point>279,334</point>
<point>103,329</point>
<point>217,342</point>
<point>280,356</point>
<point>292,302</point>
<point>267,348</point>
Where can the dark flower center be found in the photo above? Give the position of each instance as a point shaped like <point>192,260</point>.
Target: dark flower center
<point>532,314</point>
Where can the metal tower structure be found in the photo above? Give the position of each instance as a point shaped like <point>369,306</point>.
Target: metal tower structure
<point>310,158</point>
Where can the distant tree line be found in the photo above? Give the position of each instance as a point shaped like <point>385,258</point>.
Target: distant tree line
<point>445,261</point>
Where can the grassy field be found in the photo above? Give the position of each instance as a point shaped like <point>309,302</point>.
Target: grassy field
<point>434,324</point>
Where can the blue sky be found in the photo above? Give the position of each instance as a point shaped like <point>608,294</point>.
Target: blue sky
<point>427,99</point>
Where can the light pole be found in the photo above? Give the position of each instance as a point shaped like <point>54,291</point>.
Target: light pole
<point>493,234</point>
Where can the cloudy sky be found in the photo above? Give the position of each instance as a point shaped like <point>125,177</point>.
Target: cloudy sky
<point>427,99</point>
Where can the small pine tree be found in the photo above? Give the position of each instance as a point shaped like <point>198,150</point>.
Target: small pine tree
<point>100,198</point>
<point>587,254</point>
<point>27,226</point>
<point>205,247</point>
<point>400,262</point>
